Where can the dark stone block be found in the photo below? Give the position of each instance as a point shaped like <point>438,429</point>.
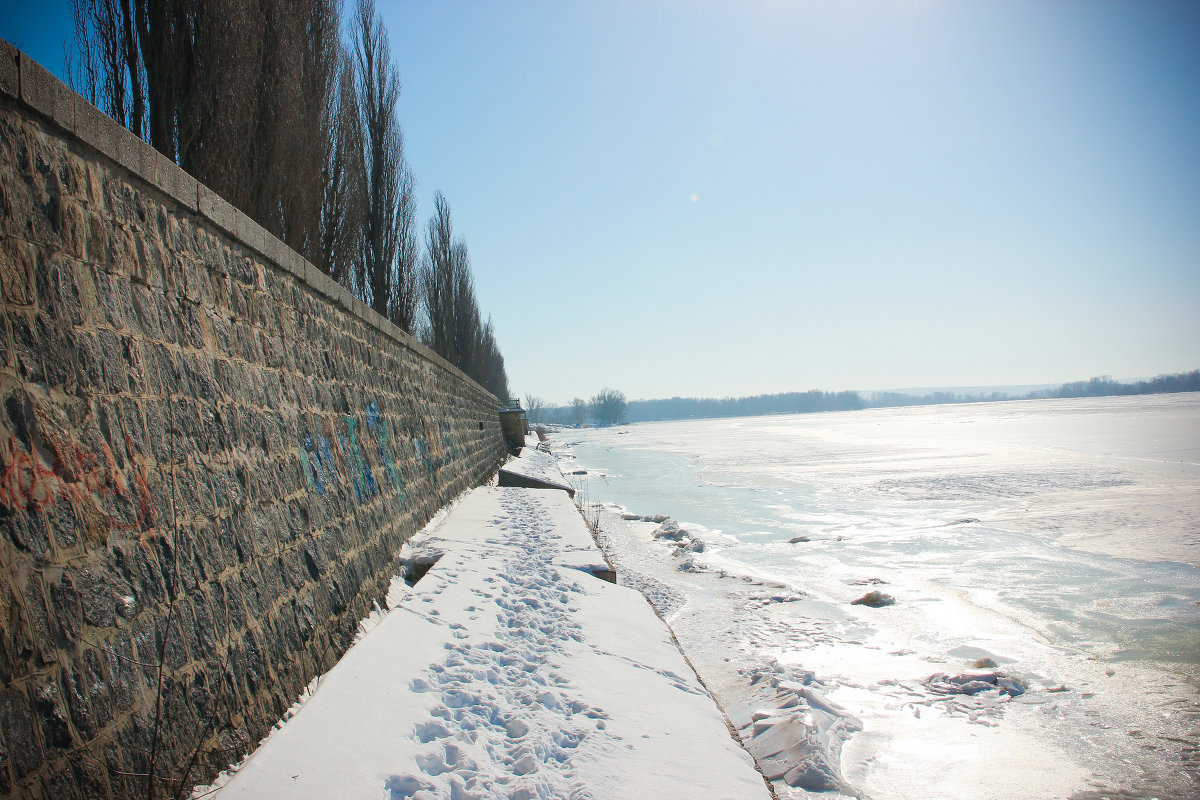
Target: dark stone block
<point>140,569</point>
<point>227,494</point>
<point>18,266</point>
<point>146,311</point>
<point>90,775</point>
<point>254,665</point>
<point>59,368</point>
<point>133,430</point>
<point>335,596</point>
<point>143,635</point>
<point>87,694</point>
<point>294,571</point>
<point>182,623</point>
<point>115,378</point>
<point>51,712</point>
<point>186,326</point>
<point>41,624</point>
<point>108,422</point>
<point>157,437</point>
<point>234,603</point>
<point>61,518</point>
<point>16,641</point>
<point>125,678</point>
<point>61,785</point>
<point>287,637</point>
<point>135,369</point>
<point>202,634</point>
<point>21,738</point>
<point>28,532</point>
<point>28,333</point>
<point>120,765</point>
<point>5,780</point>
<point>65,600</point>
<point>59,294</point>
<point>260,531</point>
<point>203,691</point>
<point>234,538</point>
<point>220,611</point>
<point>201,376</point>
<point>114,295</point>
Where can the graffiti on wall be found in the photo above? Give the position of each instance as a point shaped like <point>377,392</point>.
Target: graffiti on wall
<point>42,466</point>
<point>364,458</point>
<point>383,435</point>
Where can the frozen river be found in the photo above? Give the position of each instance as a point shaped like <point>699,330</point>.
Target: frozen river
<point>1043,558</point>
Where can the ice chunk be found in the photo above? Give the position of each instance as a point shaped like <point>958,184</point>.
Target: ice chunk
<point>669,530</point>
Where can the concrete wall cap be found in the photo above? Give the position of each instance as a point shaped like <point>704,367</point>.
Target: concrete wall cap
<point>294,263</point>
<point>46,94</point>
<point>216,209</point>
<point>174,181</point>
<point>97,129</point>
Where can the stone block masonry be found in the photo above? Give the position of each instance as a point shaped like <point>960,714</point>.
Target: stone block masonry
<point>210,456</point>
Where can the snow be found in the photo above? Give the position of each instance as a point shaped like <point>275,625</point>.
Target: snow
<point>534,468</point>
<point>506,671</point>
<point>1012,665</point>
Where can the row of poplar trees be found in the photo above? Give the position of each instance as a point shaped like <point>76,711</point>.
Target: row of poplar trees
<point>267,104</point>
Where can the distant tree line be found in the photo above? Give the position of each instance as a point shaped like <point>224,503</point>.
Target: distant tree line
<point>1105,386</point>
<point>607,407</point>
<point>1102,386</point>
<point>815,400</point>
<point>265,102</point>
<point>786,403</point>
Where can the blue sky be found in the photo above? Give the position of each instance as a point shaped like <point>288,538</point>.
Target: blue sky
<point>702,198</point>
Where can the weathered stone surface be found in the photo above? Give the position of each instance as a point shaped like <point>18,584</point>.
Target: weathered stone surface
<point>9,80</point>
<point>198,427</point>
<point>20,735</point>
<point>46,94</point>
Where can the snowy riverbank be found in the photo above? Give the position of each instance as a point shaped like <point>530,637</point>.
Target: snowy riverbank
<point>1040,644</point>
<point>508,670</point>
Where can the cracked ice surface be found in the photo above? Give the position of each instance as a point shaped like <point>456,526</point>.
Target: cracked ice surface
<point>507,671</point>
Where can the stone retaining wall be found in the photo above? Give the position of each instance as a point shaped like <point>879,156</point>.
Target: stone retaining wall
<point>210,455</point>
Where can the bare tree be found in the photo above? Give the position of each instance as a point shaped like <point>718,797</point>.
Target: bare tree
<point>608,405</point>
<point>388,261</point>
<point>468,322</point>
<point>105,63</point>
<point>579,408</point>
<point>454,325</point>
<point>311,124</point>
<point>237,92</point>
<point>403,300</point>
<point>534,407</point>
<point>342,197</point>
<point>492,374</point>
<point>437,281</point>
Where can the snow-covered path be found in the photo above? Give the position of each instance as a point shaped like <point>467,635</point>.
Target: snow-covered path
<point>510,671</point>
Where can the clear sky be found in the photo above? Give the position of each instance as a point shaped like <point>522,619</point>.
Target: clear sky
<point>729,198</point>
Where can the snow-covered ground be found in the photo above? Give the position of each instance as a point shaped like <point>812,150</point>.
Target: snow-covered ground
<point>508,670</point>
<point>1043,562</point>
<point>534,468</point>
